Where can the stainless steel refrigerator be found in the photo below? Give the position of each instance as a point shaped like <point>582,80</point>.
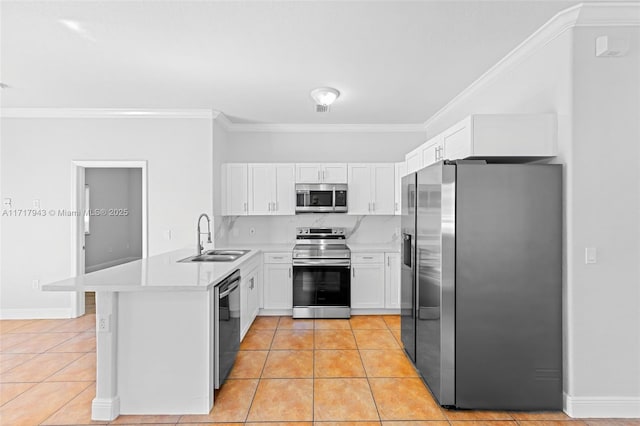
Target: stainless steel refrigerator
<point>481,292</point>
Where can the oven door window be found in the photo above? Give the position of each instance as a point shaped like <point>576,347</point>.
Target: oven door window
<point>321,198</point>
<point>321,286</point>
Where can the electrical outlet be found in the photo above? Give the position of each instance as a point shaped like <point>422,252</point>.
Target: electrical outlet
<point>104,323</point>
<point>6,202</point>
<point>35,284</point>
<point>36,204</point>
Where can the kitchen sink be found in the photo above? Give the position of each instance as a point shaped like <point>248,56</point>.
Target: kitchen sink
<point>216,256</point>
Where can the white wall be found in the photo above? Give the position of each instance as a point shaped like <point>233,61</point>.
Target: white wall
<point>36,156</point>
<point>597,102</point>
<point>289,147</point>
<point>605,297</point>
<point>113,239</point>
<point>220,143</point>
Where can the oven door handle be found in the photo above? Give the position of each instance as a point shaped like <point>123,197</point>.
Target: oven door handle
<point>234,284</point>
<point>320,262</point>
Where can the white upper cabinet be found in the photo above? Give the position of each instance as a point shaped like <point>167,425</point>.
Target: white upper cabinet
<point>371,188</point>
<point>321,173</point>
<point>432,151</point>
<point>501,135</point>
<point>400,172</point>
<point>271,189</point>
<point>413,160</point>
<point>234,190</point>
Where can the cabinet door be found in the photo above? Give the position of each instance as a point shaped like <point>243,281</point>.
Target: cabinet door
<point>235,190</point>
<point>253,301</point>
<point>431,154</point>
<point>392,281</point>
<point>261,183</point>
<point>367,286</point>
<point>308,173</point>
<point>457,141</point>
<point>285,190</point>
<point>414,161</point>
<point>383,176</point>
<point>360,189</point>
<point>278,288</point>
<point>400,171</point>
<point>334,173</point>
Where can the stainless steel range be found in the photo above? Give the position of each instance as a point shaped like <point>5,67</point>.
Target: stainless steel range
<point>321,274</point>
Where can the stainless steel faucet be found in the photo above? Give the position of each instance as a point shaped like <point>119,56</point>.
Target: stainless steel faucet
<point>200,246</point>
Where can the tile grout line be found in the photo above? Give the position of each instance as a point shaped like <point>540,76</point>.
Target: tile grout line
<point>366,374</point>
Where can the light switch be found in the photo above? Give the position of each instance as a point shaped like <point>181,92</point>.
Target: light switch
<point>590,255</point>
<point>167,234</point>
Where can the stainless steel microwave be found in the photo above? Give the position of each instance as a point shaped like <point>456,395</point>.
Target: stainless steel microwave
<point>321,198</point>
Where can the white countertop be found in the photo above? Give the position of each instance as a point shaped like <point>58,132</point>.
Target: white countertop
<point>162,272</point>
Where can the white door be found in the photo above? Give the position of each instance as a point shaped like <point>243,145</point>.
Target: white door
<point>401,171</point>
<point>383,189</point>
<point>285,190</point>
<point>278,286</point>
<point>392,281</point>
<point>261,183</point>
<point>235,190</point>
<point>308,173</point>
<point>335,173</point>
<point>367,286</point>
<point>360,191</point>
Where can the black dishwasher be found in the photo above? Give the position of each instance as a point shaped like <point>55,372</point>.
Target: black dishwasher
<point>226,326</point>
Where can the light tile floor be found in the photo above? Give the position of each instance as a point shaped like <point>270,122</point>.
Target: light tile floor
<point>288,372</point>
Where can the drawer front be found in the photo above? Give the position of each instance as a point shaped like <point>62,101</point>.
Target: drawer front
<point>367,257</point>
<point>278,257</point>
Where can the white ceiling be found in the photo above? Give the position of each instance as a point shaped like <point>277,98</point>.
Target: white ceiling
<point>394,62</point>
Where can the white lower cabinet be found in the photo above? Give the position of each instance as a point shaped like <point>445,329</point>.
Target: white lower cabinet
<point>278,287</point>
<point>367,281</point>
<point>249,299</point>
<point>392,280</point>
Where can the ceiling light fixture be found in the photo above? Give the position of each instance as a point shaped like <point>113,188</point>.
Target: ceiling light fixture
<point>324,97</point>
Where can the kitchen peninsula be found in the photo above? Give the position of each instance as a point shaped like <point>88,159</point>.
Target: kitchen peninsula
<point>154,337</point>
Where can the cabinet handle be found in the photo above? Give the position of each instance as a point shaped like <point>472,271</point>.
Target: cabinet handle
<point>245,207</point>
<point>275,203</point>
<point>278,257</point>
<point>388,261</point>
<point>289,272</point>
<point>367,257</point>
<point>353,272</point>
<point>318,175</point>
<point>374,206</point>
<point>251,285</point>
<point>396,206</point>
<point>324,175</point>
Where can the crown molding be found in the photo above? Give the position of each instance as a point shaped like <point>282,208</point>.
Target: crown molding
<point>582,15</point>
<point>327,128</point>
<point>105,113</point>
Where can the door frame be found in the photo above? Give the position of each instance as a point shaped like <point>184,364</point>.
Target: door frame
<point>77,204</point>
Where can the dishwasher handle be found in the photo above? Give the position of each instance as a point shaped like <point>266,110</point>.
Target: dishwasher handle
<point>230,287</point>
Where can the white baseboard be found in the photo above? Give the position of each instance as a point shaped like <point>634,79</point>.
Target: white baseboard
<point>46,313</point>
<point>602,407</point>
<point>109,264</point>
<point>275,312</point>
<point>105,409</point>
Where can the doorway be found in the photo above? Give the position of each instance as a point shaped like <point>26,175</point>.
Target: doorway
<point>112,195</point>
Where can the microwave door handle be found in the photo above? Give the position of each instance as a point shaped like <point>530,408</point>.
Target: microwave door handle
<point>333,199</point>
